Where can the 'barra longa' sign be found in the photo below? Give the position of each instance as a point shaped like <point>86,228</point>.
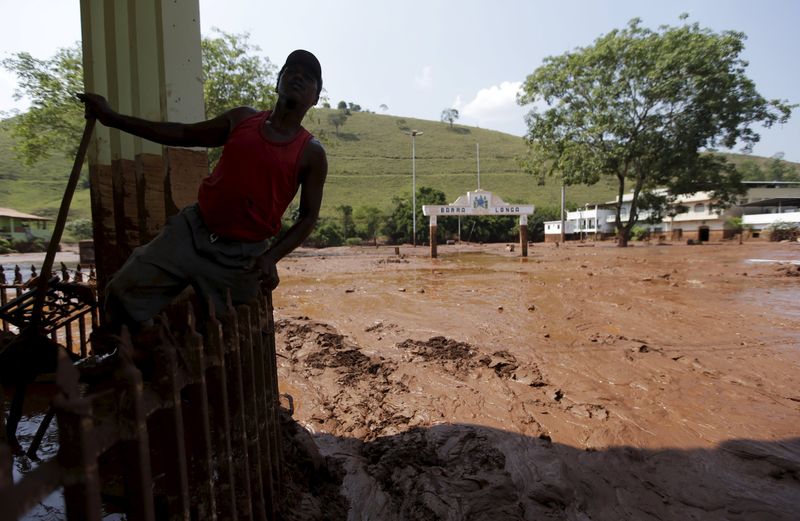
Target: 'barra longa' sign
<point>479,202</point>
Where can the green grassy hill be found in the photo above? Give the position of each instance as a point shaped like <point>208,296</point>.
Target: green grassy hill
<point>37,189</point>
<point>369,164</point>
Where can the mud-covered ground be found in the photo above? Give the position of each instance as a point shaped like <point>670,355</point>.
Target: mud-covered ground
<point>583,383</point>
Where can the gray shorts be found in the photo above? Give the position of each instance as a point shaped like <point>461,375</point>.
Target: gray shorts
<point>185,253</point>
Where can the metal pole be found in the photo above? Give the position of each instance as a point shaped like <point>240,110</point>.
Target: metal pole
<point>563,196</point>
<point>414,188</point>
<point>414,134</point>
<point>478,148</point>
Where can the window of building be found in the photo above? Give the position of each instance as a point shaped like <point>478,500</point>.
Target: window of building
<point>699,208</point>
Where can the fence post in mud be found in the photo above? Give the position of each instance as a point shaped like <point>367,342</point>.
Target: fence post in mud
<point>266,406</point>
<point>134,441</point>
<point>168,428</point>
<point>198,436</point>
<point>217,385</point>
<point>433,236</point>
<point>523,235</point>
<point>273,396</point>
<point>77,452</point>
<point>251,412</point>
<point>233,370</point>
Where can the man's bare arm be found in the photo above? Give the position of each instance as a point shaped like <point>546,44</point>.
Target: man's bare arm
<point>209,133</point>
<point>311,189</point>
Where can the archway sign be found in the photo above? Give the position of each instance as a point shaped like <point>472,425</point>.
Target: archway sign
<point>480,202</point>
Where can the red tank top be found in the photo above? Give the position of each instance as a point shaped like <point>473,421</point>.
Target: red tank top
<point>253,183</point>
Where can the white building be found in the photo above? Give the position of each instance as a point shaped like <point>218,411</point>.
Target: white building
<point>765,203</point>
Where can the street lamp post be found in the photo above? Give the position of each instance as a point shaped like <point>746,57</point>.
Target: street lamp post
<point>414,134</point>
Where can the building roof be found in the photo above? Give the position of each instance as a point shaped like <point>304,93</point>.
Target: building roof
<point>775,201</point>
<point>9,212</point>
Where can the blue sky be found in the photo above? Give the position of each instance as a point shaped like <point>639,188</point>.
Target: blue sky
<point>420,57</point>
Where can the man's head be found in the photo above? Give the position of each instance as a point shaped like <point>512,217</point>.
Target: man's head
<point>301,67</point>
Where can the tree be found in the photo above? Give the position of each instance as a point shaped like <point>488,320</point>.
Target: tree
<point>55,118</point>
<point>398,226</point>
<point>780,170</point>
<point>639,106</point>
<point>384,107</point>
<point>449,116</point>
<point>348,227</point>
<point>233,75</point>
<point>337,119</point>
<point>750,171</point>
<point>368,221</point>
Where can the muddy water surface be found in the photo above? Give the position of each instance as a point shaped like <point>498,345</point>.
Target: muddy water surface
<point>584,383</point>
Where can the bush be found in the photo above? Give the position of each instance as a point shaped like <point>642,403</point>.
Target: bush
<point>5,246</point>
<point>639,233</point>
<point>353,241</point>
<point>781,231</point>
<point>32,246</point>
<point>326,234</point>
<point>80,229</point>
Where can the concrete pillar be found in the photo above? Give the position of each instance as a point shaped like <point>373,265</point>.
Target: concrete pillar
<point>144,56</point>
<point>433,229</point>
<point>523,235</point>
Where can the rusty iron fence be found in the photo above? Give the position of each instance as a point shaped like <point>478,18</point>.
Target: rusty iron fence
<point>186,427</point>
<point>72,333</point>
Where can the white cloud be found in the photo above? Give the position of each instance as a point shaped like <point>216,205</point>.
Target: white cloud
<point>494,107</point>
<point>425,80</point>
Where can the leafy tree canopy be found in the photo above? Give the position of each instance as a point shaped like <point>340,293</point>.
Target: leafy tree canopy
<point>55,118</point>
<point>234,74</point>
<point>640,106</point>
<point>449,116</point>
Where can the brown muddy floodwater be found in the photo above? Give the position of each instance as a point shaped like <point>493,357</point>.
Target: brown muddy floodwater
<point>582,383</point>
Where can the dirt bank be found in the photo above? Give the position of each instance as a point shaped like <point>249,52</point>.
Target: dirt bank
<point>653,382</point>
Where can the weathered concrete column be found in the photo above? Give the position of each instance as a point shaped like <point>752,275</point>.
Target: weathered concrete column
<point>433,236</point>
<point>144,56</point>
<point>523,235</point>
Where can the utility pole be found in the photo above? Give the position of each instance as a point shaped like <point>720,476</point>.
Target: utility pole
<point>563,216</point>
<point>414,134</point>
<point>478,148</point>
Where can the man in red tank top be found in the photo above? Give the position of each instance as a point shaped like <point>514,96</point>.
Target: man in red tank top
<point>226,241</point>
